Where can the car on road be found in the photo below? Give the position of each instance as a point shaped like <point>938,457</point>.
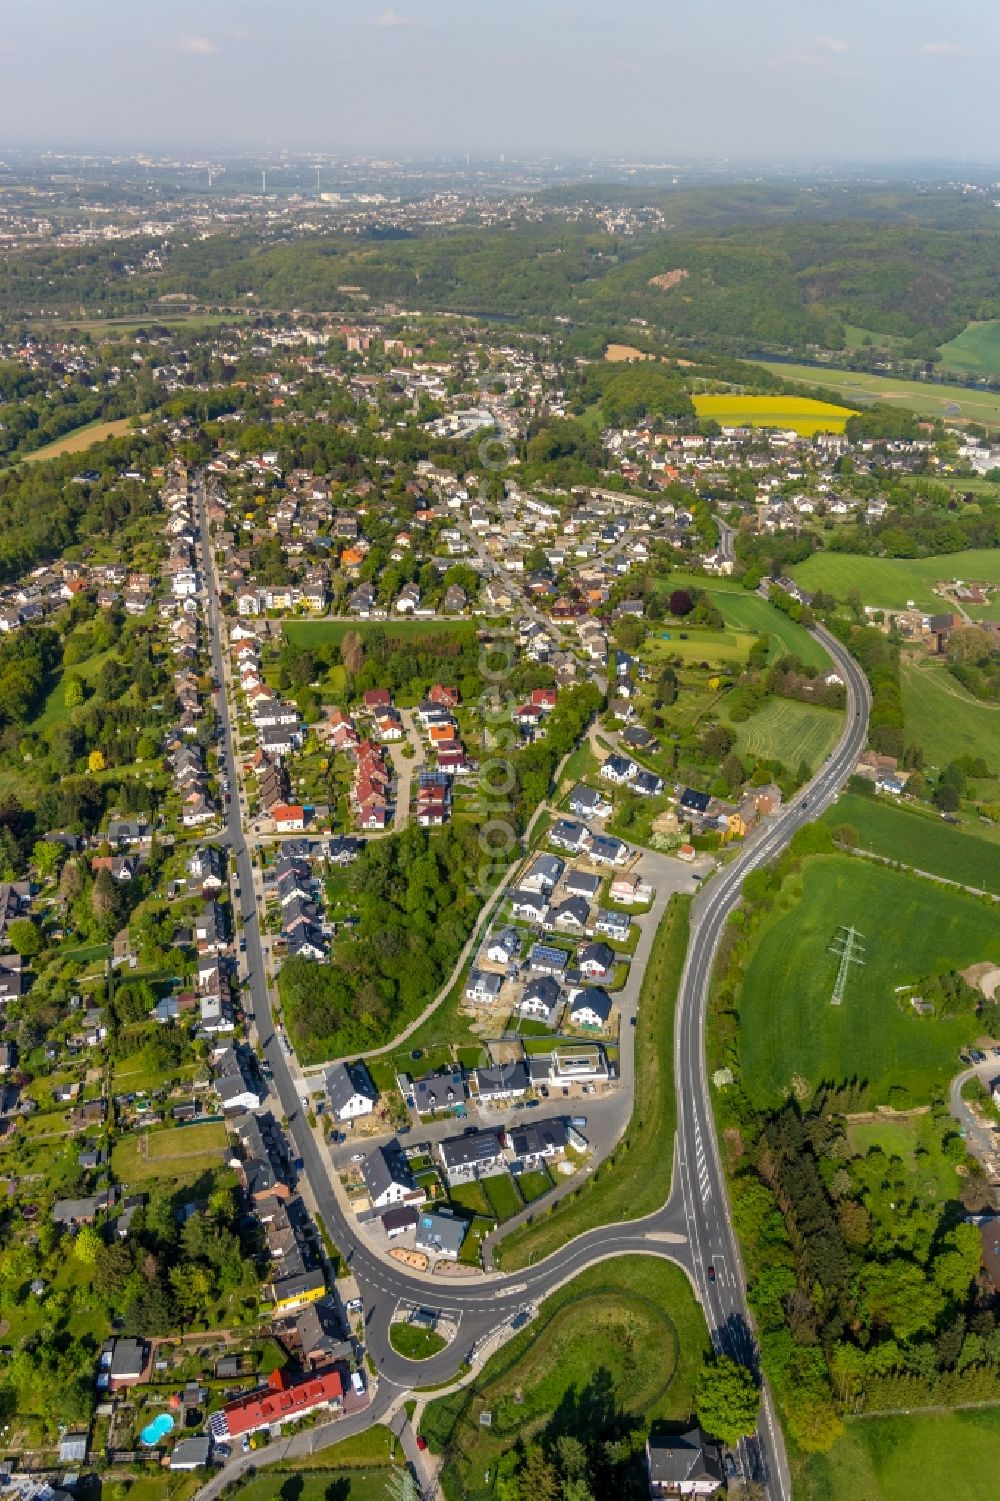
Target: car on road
<point>358,1157</point>
<point>710,1269</point>
<point>421,1442</point>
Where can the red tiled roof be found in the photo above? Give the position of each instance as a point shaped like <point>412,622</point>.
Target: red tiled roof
<point>279,1401</point>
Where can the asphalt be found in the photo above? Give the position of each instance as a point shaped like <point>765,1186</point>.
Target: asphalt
<point>693,1229</point>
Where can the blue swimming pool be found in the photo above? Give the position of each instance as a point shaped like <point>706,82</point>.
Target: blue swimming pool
<point>157,1429</point>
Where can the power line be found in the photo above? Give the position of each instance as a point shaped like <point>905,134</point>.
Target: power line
<point>847,945</point>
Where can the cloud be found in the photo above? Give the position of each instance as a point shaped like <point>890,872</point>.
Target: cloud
<point>942,49</point>
<point>831,44</point>
<point>619,66</point>
<point>198,46</point>
<point>390,20</point>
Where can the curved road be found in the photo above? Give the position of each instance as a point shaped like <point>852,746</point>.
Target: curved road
<point>693,1228</point>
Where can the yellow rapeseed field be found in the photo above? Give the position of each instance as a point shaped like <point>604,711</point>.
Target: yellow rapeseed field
<point>802,413</point>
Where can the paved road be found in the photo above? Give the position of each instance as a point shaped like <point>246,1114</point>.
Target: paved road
<point>693,1228</point>
<point>981,1137</point>
<point>702,1182</point>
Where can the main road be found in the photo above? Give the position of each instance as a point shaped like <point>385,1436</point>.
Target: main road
<point>692,1229</point>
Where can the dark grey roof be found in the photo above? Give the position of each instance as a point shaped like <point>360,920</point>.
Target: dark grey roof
<point>437,1230</point>
<point>596,999</point>
<point>682,1457</point>
<point>474,1147</point>
<point>384,1167</point>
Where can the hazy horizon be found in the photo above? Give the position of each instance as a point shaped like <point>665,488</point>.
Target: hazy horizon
<point>787,81</point>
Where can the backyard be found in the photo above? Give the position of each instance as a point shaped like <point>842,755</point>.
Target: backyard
<point>180,1152</point>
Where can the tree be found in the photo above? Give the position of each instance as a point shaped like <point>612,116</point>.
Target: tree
<point>70,881</point>
<point>727,1400</point>
<point>45,856</point>
<point>95,761</point>
<point>680,602</point>
<point>24,937</point>
<point>946,797</point>
<point>352,652</point>
<point>87,1246</point>
<point>72,692</point>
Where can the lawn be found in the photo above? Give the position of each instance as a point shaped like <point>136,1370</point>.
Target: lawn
<point>897,1458</point>
<point>889,583</point>
<point>178,1152</point>
<point>534,1185</point>
<point>635,1179</point>
<point>916,1141</point>
<point>414,1343</point>
<point>919,839</point>
<point>628,1329</point>
<point>694,643</point>
<point>802,413</point>
<point>787,731</point>
<point>976,350</point>
<point>923,397</point>
<point>505,1201</point>
<point>790,1030</point>
<point>944,720</point>
<point>313,633</point>
<point>471,1197</point>
<point>744,610</point>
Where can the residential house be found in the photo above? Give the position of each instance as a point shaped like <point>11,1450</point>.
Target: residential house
<point>682,1464</point>
<point>387,1177</point>
<point>591,1007</point>
<point>350,1091</point>
<point>483,987</point>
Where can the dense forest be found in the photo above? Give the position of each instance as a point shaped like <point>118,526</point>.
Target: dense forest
<point>737,269</point>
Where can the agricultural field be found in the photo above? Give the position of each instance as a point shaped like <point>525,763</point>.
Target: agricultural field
<point>743,610</point>
<point>889,583</point>
<point>787,731</point>
<point>631,1325</point>
<point>897,1458</point>
<point>80,439</point>
<point>956,403</point>
<point>179,1152</point>
<point>802,413</point>
<point>791,1034</point>
<point>919,839</point>
<point>976,350</point>
<point>944,720</point>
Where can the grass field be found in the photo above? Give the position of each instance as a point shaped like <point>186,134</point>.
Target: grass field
<point>505,1201</point>
<point>635,1180</point>
<point>790,1030</point>
<point>79,439</point>
<point>802,413</point>
<point>898,1458</point>
<point>179,1152</point>
<point>694,643</point>
<point>890,583</point>
<point>355,1469</point>
<point>976,351</point>
<point>787,731</point>
<point>414,1343</point>
<point>919,839</point>
<point>955,403</point>
<point>916,1141</point>
<point>943,719</point>
<point>746,611</point>
<point>313,633</point>
<point>630,1326</point>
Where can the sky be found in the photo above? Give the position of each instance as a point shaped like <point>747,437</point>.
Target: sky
<point>656,80</point>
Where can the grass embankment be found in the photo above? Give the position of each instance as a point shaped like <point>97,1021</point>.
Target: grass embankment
<point>790,1031</point>
<point>355,1469</point>
<point>744,610</point>
<point>918,838</point>
<point>895,1459</point>
<point>626,1335</point>
<point>635,1180</point>
<point>890,583</point>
